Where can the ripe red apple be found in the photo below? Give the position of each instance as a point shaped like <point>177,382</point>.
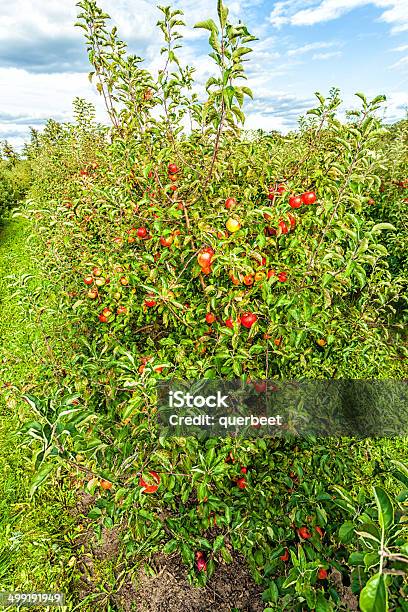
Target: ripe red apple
<point>295,202</point>
<point>106,485</point>
<point>173,187</point>
<point>204,259</point>
<point>271,273</point>
<point>103,318</point>
<point>201,564</point>
<point>88,280</point>
<point>260,387</point>
<point>142,232</point>
<point>208,250</point>
<point>121,310</point>
<point>210,318</point>
<point>147,488</point>
<point>281,188</point>
<point>229,323</point>
<point>166,242</point>
<point>309,197</point>
<point>285,556</point>
<point>284,228</point>
<point>248,319</point>
<point>173,168</point>
<point>241,483</point>
<point>292,221</point>
<point>230,202</point>
<point>304,533</point>
<point>282,277</point>
<point>244,470</point>
<point>322,574</point>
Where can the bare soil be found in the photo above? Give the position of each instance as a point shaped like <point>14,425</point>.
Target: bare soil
<point>231,588</point>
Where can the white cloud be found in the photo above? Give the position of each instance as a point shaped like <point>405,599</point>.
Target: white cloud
<point>40,96</point>
<point>292,12</point>
<point>401,63</point>
<point>400,49</point>
<point>397,105</point>
<point>310,47</point>
<point>326,56</point>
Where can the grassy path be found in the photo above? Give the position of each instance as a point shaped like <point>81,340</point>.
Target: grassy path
<point>34,534</point>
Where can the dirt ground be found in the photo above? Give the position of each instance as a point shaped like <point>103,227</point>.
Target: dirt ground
<point>231,588</point>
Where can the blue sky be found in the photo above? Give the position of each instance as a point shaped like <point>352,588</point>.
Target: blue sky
<point>304,46</point>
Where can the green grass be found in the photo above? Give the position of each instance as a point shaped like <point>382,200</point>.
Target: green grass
<point>34,533</point>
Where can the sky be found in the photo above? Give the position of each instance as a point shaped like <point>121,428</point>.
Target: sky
<point>303,46</point>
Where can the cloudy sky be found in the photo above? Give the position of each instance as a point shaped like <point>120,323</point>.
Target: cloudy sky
<point>304,46</point>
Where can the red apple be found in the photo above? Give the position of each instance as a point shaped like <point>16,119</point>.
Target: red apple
<point>248,319</point>
<point>210,318</point>
<point>295,202</point>
<point>309,197</point>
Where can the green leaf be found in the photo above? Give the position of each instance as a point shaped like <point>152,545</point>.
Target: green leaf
<point>356,558</point>
<point>385,508</point>
<point>40,477</point>
<point>218,543</point>
<point>222,13</point>
<point>374,596</point>
<point>95,513</point>
<point>346,532</point>
<point>369,531</point>
<point>322,605</point>
<point>361,96</point>
<point>170,547</point>
<point>371,559</point>
<point>271,594</point>
<point>401,473</point>
<point>383,226</point>
<point>209,24</point>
